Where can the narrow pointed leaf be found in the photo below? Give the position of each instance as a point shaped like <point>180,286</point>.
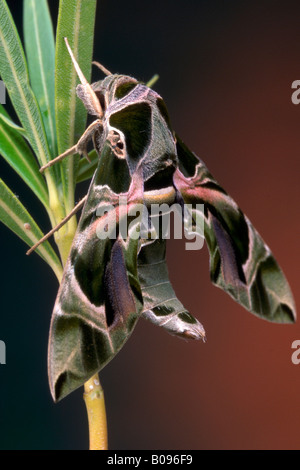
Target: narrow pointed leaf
<point>13,70</point>
<point>17,153</point>
<point>152,81</point>
<point>7,120</point>
<point>40,51</point>
<point>76,22</point>
<point>86,168</point>
<point>14,215</point>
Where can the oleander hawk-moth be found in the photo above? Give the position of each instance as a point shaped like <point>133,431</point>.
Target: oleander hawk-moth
<point>110,281</point>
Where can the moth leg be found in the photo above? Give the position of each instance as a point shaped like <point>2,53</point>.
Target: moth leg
<point>80,147</point>
<point>63,222</point>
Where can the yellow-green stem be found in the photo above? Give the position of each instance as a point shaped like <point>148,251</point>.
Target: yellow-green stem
<point>65,235</point>
<point>95,406</point>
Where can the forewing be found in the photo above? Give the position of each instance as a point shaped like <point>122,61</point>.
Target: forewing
<point>240,262</point>
<point>99,300</point>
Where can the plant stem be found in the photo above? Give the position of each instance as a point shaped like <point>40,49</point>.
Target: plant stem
<point>95,406</point>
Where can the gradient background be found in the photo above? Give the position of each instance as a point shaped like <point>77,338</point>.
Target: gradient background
<point>226,70</point>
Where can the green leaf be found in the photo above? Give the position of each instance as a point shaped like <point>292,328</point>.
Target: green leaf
<point>7,120</point>
<point>152,81</point>
<point>40,52</point>
<point>86,169</point>
<point>13,70</point>
<point>14,215</point>
<point>17,153</point>
<point>76,22</point>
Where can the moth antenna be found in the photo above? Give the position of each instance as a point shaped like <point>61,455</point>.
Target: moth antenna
<point>75,63</point>
<point>101,67</point>
<point>88,89</point>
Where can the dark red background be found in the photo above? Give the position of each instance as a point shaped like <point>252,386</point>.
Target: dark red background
<point>226,70</point>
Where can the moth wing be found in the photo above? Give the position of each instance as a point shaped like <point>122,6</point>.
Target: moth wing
<point>99,300</point>
<point>240,262</point>
<point>161,305</point>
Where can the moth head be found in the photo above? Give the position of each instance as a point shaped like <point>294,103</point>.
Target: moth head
<point>84,90</point>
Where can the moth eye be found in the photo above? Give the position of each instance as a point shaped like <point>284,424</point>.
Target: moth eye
<point>116,143</point>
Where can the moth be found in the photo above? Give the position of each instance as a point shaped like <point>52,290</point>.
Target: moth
<point>109,282</point>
